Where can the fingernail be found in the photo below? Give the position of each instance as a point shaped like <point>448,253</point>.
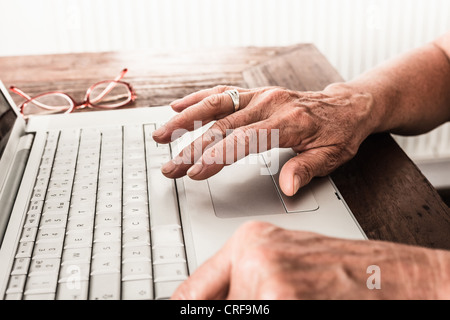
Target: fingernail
<point>168,167</point>
<point>160,131</point>
<point>296,183</point>
<point>195,170</point>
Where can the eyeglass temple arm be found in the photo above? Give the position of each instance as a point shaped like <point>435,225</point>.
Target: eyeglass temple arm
<point>110,86</point>
<point>24,95</point>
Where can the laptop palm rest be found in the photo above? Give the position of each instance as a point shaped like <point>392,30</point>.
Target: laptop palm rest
<point>247,188</point>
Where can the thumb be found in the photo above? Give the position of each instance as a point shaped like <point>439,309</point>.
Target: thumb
<point>300,170</point>
<point>210,281</point>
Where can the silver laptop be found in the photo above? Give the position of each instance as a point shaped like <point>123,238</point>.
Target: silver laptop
<point>87,214</point>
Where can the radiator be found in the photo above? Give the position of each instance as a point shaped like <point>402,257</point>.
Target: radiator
<point>355,35</point>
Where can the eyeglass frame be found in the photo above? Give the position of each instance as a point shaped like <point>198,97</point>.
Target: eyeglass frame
<point>86,101</point>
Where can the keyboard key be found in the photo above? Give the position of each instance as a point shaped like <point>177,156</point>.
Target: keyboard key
<point>135,186</point>
<point>114,162</point>
<point>136,270</point>
<point>110,184</point>
<point>78,240</point>
<point>136,238</point>
<point>84,187</point>
<point>28,234</point>
<point>138,173</point>
<point>114,205</point>
<point>56,207</point>
<point>106,249</point>
<point>76,256</point>
<point>105,264</point>
<point>170,272</point>
<point>47,250</point>
<point>60,184</point>
<point>73,291</point>
<point>83,201</point>
<point>73,273</point>
<point>110,172</point>
<point>136,223</point>
<point>137,290</point>
<point>106,195</point>
<point>139,253</point>
<point>44,266</point>
<point>59,195</point>
<point>78,212</point>
<point>164,290</point>
<point>16,284</point>
<point>80,224</point>
<point>20,266</point>
<point>167,236</point>
<point>38,195</point>
<point>105,287</point>
<point>112,234</point>
<point>135,210</point>
<point>25,250</point>
<point>133,166</point>
<point>169,254</point>
<point>32,220</point>
<point>136,197</point>
<point>41,284</point>
<point>35,207</point>
<point>108,219</point>
<point>50,235</point>
<point>53,221</point>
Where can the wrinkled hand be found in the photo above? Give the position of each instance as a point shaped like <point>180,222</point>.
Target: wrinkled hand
<point>262,261</point>
<point>324,128</point>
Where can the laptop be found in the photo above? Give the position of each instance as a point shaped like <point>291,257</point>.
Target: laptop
<point>87,214</point>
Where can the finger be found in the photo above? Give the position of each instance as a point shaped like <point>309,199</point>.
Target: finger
<point>211,108</point>
<point>196,97</point>
<point>178,167</point>
<point>251,139</point>
<point>300,170</point>
<point>210,281</point>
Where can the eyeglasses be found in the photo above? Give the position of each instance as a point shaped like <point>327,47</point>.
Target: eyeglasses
<point>107,94</point>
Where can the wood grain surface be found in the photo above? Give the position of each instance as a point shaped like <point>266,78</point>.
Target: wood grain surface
<point>387,193</point>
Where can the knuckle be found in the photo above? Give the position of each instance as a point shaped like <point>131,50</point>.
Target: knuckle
<point>245,136</point>
<point>222,125</point>
<point>307,171</point>
<point>254,227</point>
<point>332,159</point>
<point>280,94</point>
<point>221,88</point>
<point>212,101</point>
<point>256,257</point>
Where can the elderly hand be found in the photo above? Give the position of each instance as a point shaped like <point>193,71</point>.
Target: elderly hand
<point>262,261</point>
<point>324,128</point>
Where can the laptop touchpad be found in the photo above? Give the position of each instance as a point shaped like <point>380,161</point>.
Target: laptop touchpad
<point>247,188</point>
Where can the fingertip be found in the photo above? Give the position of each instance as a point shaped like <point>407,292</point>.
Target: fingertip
<point>177,106</point>
<point>290,182</point>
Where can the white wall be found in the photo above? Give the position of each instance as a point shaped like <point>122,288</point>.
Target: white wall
<point>355,35</point>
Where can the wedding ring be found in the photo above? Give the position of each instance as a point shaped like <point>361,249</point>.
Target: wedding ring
<point>234,94</point>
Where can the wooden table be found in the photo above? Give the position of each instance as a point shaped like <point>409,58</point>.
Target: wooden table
<point>387,193</point>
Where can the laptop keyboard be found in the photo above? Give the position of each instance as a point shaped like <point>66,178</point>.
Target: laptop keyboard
<point>103,222</point>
